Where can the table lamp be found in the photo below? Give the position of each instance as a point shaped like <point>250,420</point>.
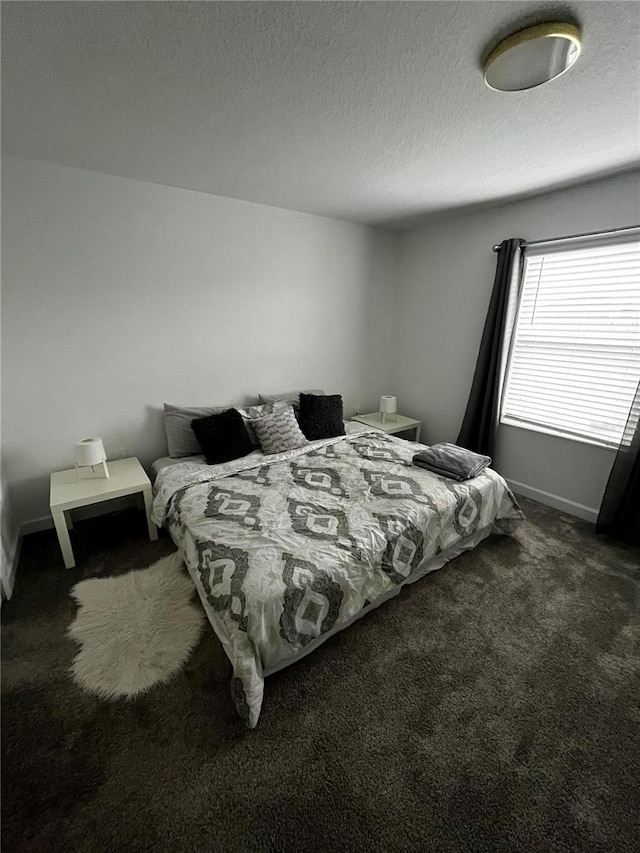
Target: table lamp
<point>387,407</point>
<point>90,451</point>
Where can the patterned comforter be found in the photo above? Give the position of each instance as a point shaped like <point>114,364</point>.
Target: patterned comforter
<point>287,549</point>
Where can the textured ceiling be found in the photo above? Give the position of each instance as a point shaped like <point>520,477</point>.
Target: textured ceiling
<point>374,112</point>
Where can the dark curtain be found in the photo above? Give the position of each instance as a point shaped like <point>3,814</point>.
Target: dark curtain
<point>620,510</point>
<point>480,422</point>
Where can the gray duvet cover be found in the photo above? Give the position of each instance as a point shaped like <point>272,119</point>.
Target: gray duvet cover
<point>285,550</point>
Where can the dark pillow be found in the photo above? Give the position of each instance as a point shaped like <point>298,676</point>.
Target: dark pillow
<point>321,416</point>
<point>222,436</point>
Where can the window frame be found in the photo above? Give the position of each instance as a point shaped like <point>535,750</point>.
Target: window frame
<point>548,247</point>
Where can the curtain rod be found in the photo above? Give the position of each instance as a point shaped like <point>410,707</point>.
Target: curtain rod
<point>577,237</point>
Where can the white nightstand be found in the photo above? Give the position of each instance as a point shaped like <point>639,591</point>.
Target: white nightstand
<point>392,424</point>
<point>70,490</point>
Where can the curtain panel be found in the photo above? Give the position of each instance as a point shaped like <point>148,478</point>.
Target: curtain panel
<point>620,509</point>
<point>481,418</point>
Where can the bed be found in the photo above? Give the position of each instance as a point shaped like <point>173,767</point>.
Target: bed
<point>286,550</point>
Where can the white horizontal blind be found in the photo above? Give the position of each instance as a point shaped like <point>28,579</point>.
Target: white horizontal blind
<point>575,359</point>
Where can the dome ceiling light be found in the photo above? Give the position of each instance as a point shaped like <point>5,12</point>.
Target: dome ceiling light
<point>531,57</point>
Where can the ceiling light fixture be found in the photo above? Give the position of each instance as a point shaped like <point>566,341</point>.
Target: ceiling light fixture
<point>531,57</point>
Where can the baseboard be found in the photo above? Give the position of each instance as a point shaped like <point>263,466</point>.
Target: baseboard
<point>37,525</point>
<point>587,513</point>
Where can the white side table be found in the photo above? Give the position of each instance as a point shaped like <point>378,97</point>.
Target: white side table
<point>70,490</point>
<point>392,425</point>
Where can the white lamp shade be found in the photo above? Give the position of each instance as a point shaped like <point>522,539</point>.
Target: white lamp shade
<point>388,404</point>
<point>89,451</point>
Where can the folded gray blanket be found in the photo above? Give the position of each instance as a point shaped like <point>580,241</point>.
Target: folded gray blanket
<point>452,461</point>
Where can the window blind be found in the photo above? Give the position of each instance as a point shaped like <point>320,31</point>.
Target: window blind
<point>575,359</point>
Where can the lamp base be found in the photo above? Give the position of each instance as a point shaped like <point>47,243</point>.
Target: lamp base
<point>102,466</point>
<point>384,416</point>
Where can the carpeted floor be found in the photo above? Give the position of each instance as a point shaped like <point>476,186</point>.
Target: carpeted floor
<point>494,706</point>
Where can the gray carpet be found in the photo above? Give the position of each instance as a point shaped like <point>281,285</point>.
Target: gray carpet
<point>491,707</point>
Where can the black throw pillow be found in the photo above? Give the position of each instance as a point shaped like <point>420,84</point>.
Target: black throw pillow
<point>222,437</point>
<point>321,416</point>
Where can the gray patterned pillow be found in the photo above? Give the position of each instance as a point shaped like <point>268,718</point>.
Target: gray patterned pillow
<point>252,413</point>
<point>279,431</point>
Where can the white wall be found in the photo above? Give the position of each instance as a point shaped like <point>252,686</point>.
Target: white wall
<point>446,272</point>
<point>119,295</point>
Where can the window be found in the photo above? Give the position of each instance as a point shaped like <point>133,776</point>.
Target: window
<point>575,359</point>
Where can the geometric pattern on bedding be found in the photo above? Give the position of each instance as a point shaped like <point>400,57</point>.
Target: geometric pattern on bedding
<point>256,475</point>
<point>311,602</point>
<point>222,572</point>
<point>384,484</point>
<point>240,508</point>
<point>321,522</point>
<point>240,698</point>
<point>404,546</point>
<point>365,447</point>
<point>331,451</point>
<point>319,479</point>
<point>466,515</point>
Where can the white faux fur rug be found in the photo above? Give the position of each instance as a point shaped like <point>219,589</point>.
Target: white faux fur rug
<point>135,630</point>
